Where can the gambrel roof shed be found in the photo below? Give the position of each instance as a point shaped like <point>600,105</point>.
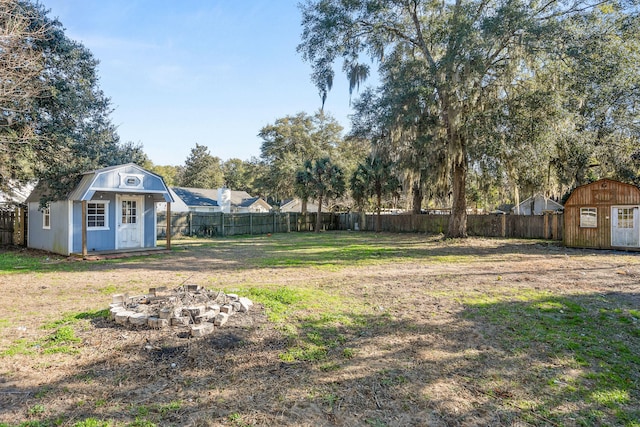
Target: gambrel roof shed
<point>603,214</point>
<point>110,209</point>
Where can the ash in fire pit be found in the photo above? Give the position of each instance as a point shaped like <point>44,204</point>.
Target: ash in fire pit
<point>198,308</point>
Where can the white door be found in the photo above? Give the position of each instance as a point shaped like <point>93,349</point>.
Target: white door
<point>130,218</point>
<point>624,226</point>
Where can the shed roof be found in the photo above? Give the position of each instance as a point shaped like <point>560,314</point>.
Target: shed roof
<point>604,192</point>
<point>96,180</point>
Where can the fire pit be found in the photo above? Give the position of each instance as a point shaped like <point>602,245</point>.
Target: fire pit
<point>192,306</point>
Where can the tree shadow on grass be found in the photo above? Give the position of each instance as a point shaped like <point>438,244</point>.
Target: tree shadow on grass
<point>535,360</point>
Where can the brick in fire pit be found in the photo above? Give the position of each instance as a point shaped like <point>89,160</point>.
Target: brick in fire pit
<point>157,323</point>
<point>201,329</point>
<point>193,311</point>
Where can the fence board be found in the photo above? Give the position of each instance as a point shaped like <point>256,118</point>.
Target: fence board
<point>13,226</point>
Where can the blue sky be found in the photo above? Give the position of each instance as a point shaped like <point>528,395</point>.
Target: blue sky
<point>196,71</point>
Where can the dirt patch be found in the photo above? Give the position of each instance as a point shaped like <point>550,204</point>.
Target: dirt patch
<point>413,356</point>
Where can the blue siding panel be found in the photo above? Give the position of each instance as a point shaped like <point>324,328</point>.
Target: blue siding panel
<point>56,238</point>
<point>97,240</point>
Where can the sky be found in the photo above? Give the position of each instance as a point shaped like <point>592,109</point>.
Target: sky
<point>211,72</point>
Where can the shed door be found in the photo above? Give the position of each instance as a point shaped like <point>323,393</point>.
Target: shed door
<point>130,226</point>
<point>624,226</point>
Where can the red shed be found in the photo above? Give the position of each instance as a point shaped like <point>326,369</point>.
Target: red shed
<point>604,215</point>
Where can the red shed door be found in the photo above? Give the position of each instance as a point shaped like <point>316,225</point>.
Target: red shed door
<point>624,226</point>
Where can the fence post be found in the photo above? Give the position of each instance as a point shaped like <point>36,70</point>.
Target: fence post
<point>21,214</point>
<point>168,225</point>
<point>546,226</point>
<point>503,232</point>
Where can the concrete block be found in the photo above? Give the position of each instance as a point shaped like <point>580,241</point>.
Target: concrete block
<point>206,316</point>
<point>156,291</point>
<point>221,319</point>
<point>139,319</point>
<point>193,310</point>
<point>214,307</point>
<point>202,329</point>
<point>227,308</point>
<point>165,313</point>
<point>122,317</point>
<point>115,310</point>
<point>157,323</point>
<point>180,321</point>
<point>245,304</point>
<point>233,297</point>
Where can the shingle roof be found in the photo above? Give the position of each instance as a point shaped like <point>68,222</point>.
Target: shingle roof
<point>197,196</point>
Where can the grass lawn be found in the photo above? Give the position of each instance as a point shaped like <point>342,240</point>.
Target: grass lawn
<point>349,329</point>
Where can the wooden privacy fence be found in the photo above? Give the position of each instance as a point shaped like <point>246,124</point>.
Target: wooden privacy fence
<point>224,224</point>
<point>547,226</point>
<point>13,226</point>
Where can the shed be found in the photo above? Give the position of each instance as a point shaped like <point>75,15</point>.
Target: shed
<point>604,215</point>
<point>537,204</point>
<point>111,209</point>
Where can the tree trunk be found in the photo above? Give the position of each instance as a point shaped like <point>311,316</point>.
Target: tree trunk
<point>417,198</point>
<point>319,217</point>
<point>458,217</point>
<point>458,157</point>
<point>378,218</point>
<point>303,206</point>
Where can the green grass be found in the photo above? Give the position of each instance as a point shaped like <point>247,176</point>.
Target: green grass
<point>18,262</point>
<point>582,334</point>
<point>72,318</point>
<point>62,338</point>
<point>333,251</point>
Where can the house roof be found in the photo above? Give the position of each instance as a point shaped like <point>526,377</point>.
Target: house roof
<point>201,197</point>
<point>295,205</point>
<point>18,192</point>
<point>548,203</point>
<point>207,197</point>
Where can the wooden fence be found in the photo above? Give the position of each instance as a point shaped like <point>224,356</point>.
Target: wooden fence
<point>13,226</point>
<point>220,224</point>
<point>547,226</point>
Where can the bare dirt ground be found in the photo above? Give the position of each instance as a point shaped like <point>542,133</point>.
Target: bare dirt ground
<point>419,361</point>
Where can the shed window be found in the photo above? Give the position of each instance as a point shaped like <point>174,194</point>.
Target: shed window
<point>588,217</point>
<point>98,215</point>
<point>46,218</point>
